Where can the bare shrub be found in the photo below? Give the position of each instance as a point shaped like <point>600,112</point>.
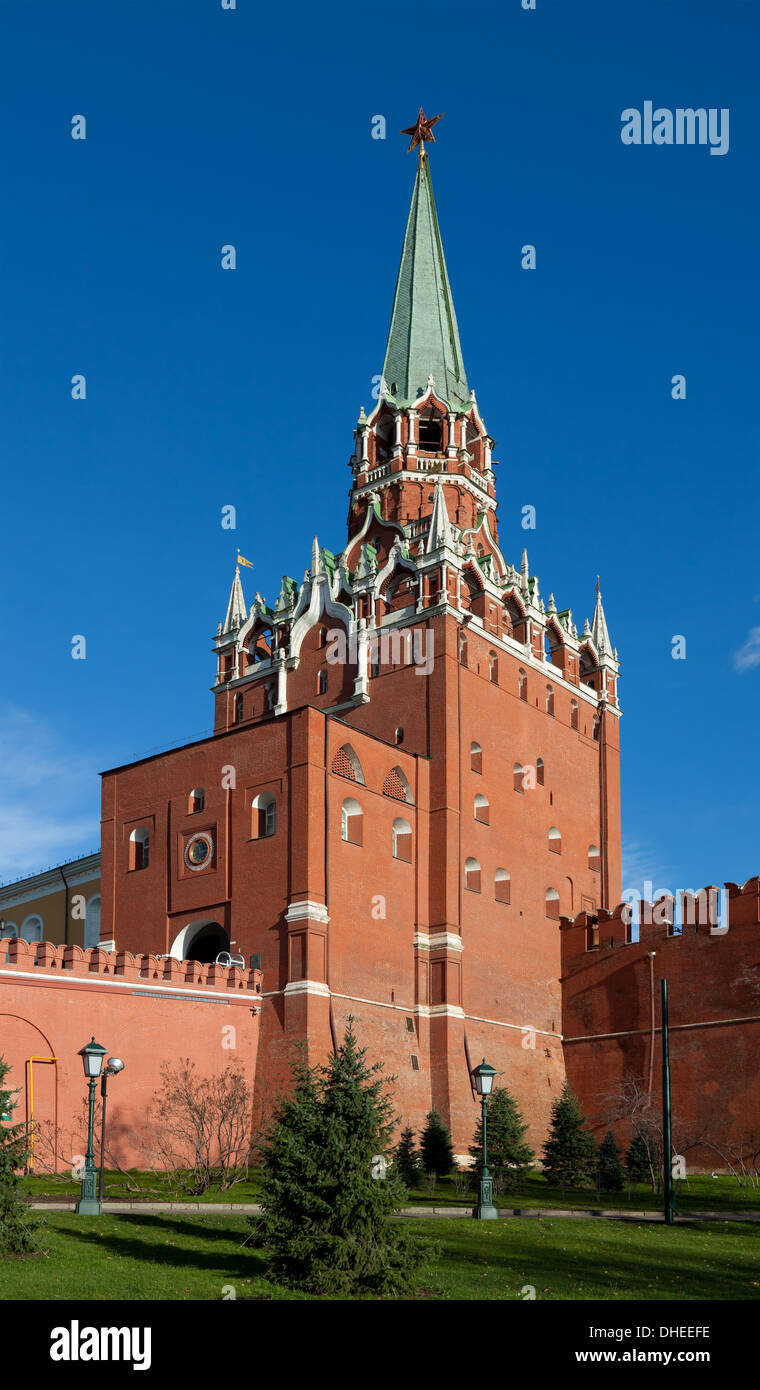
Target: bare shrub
<point>199,1128</point>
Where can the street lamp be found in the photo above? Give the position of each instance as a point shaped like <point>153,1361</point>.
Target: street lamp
<point>92,1060</point>
<point>485,1210</point>
<point>115,1065</point>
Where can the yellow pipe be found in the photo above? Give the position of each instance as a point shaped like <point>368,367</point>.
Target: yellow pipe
<point>31,1061</point>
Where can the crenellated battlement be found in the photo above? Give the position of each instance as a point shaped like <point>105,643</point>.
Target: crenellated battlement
<point>73,961</point>
<point>710,911</point>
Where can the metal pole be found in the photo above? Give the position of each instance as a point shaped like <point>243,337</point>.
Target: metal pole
<point>88,1204</point>
<point>667,1137</point>
<point>102,1133</point>
<point>485,1210</point>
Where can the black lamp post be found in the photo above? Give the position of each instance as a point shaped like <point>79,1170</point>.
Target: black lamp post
<point>485,1210</point>
<point>114,1066</point>
<point>92,1059</point>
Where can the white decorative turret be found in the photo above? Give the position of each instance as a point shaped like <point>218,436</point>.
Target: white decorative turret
<point>441,533</point>
<point>524,573</point>
<point>599,633</point>
<point>236,609</point>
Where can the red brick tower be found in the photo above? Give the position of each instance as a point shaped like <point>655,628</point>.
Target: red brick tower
<point>414,769</point>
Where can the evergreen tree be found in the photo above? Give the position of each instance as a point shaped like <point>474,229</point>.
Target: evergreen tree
<point>17,1229</point>
<point>406,1160</point>
<point>570,1151</point>
<point>609,1169</point>
<point>641,1158</point>
<point>327,1222</point>
<point>509,1156</point>
<point>436,1147</point>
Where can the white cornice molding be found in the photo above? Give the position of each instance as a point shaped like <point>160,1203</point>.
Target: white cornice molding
<point>429,475</point>
<point>300,911</point>
<point>307,987</point>
<point>438,941</point>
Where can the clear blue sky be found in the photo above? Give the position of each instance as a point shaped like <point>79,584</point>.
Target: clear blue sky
<point>207,388</point>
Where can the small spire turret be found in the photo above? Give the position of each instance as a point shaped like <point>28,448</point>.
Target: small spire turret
<point>236,609</point>
<point>599,633</point>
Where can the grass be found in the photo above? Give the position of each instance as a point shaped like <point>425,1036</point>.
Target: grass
<point>699,1193</point>
<point>176,1257</point>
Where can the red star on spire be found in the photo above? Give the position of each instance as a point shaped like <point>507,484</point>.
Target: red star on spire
<point>422,131</point>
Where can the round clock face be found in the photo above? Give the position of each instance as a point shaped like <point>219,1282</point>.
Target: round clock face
<point>198,851</point>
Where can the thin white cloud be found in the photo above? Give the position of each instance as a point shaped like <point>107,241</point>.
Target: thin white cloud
<point>748,655</point>
<point>641,867</point>
<point>48,797</point>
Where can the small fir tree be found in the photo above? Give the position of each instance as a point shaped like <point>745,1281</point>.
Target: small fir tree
<point>641,1159</point>
<point>609,1170</point>
<point>436,1147</point>
<point>570,1151</point>
<point>17,1229</point>
<point>406,1160</point>
<point>509,1156</point>
<point>327,1222</point>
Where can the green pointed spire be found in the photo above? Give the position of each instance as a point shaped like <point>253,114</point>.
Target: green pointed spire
<point>424,339</point>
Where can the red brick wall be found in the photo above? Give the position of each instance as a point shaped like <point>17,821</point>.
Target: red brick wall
<point>714,1014</point>
<point>54,999</point>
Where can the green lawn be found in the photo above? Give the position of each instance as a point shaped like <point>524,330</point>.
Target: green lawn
<point>172,1256</point>
<point>701,1193</point>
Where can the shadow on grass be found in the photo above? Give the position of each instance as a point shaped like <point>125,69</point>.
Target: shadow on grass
<point>152,1241</point>
<point>659,1260</point>
<point>562,1259</point>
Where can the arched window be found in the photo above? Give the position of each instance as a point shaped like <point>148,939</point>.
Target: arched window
<point>552,902</point>
<point>539,772</point>
<point>573,714</point>
<point>522,684</point>
<point>8,929</point>
<point>501,886</point>
<point>594,858</point>
<point>549,700</point>
<point>351,821</point>
<point>269,696</point>
<point>263,816</point>
<point>555,840</point>
<point>472,875</point>
<point>31,928</point>
<point>476,757</point>
<point>196,801</point>
<point>462,649</point>
<point>92,922</point>
<point>597,724</point>
<point>237,710</point>
<point>402,840</point>
<point>493,668</point>
<point>397,786</point>
<point>322,683</point>
<point>430,430</point>
<point>517,775</point>
<point>139,848</point>
<point>346,764</point>
<point>481,809</point>
<point>322,637</point>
